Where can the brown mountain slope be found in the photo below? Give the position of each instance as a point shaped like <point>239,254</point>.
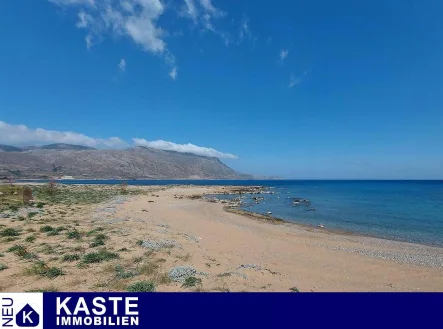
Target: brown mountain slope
<point>136,163</point>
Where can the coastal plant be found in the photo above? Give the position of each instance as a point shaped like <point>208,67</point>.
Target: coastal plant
<point>70,257</point>
<point>46,228</point>
<point>141,286</point>
<point>294,289</point>
<point>98,257</point>
<point>32,214</point>
<point>95,231</point>
<point>74,234</point>
<point>99,240</point>
<point>30,238</point>
<point>191,281</point>
<point>13,207</point>
<point>42,269</point>
<point>21,251</point>
<point>56,231</point>
<point>9,232</point>
<point>120,273</point>
<point>3,267</point>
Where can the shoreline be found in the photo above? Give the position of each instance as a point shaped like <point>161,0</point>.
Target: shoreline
<point>149,232</point>
<point>312,228</point>
<point>242,189</point>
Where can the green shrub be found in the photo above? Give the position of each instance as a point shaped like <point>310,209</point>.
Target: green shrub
<point>13,207</point>
<point>74,234</point>
<point>9,232</point>
<point>19,250</point>
<point>294,289</point>
<point>30,238</point>
<point>46,228</point>
<point>3,267</point>
<point>70,257</point>
<point>10,239</point>
<point>56,231</point>
<point>40,205</point>
<point>98,257</point>
<point>141,286</point>
<point>41,269</point>
<point>120,273</point>
<point>32,214</point>
<point>94,231</point>
<point>191,281</point>
<point>99,240</point>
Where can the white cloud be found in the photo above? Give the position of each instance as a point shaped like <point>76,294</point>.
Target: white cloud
<point>293,80</point>
<point>191,10</point>
<point>244,29</point>
<point>122,65</point>
<point>183,148</point>
<point>22,135</point>
<point>73,2</point>
<point>204,15</point>
<point>283,54</point>
<point>173,73</point>
<point>209,7</point>
<point>134,19</point>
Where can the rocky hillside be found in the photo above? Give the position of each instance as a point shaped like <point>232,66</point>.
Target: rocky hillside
<point>87,163</point>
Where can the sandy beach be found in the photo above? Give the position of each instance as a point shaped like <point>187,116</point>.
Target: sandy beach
<point>158,235</point>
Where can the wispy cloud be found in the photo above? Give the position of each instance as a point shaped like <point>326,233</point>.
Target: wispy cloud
<point>21,135</point>
<point>283,54</point>
<point>122,65</point>
<point>184,148</point>
<point>133,19</point>
<point>293,80</point>
<point>173,73</point>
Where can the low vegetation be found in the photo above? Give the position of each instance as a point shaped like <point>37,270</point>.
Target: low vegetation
<point>42,269</point>
<point>22,252</point>
<point>191,281</point>
<point>99,240</point>
<point>70,257</point>
<point>98,257</point>
<point>141,286</point>
<point>9,232</point>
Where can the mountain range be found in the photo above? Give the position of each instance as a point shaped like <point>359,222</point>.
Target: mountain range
<point>82,162</point>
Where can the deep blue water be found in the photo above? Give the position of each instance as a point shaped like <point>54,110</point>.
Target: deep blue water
<point>402,210</point>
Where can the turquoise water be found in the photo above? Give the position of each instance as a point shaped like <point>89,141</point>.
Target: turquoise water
<point>402,210</point>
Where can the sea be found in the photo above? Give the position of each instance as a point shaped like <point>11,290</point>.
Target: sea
<point>410,211</point>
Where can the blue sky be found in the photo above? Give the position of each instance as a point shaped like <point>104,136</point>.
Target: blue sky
<point>299,89</point>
